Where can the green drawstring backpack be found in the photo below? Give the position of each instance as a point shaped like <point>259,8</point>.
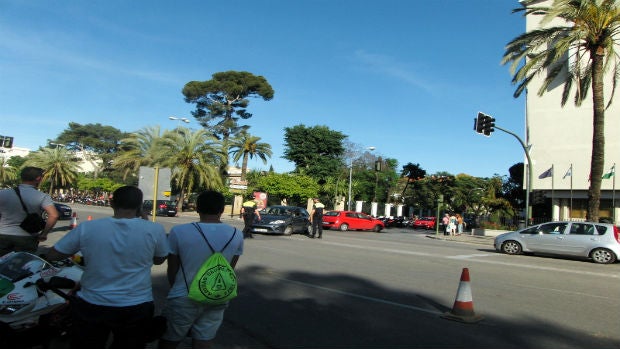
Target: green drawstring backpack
<point>215,282</point>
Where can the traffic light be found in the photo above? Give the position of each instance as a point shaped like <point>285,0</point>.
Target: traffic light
<point>489,125</point>
<point>7,142</point>
<point>484,124</point>
<point>479,123</point>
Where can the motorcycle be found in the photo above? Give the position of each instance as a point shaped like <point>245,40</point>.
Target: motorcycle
<point>34,299</point>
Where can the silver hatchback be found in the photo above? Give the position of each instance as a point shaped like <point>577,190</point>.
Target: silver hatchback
<point>598,241</point>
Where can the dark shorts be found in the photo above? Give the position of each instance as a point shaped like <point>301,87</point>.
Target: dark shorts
<point>93,324</point>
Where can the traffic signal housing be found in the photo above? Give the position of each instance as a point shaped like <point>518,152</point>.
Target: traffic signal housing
<point>489,125</point>
<point>6,142</point>
<point>484,124</point>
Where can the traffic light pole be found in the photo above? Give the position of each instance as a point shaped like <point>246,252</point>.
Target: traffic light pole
<point>530,178</point>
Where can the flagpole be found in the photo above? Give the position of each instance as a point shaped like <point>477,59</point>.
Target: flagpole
<point>552,187</point>
<point>613,195</point>
<point>570,211</point>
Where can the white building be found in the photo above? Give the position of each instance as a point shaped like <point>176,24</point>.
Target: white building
<point>561,138</point>
<point>88,162</point>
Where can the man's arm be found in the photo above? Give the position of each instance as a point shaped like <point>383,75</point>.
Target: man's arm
<point>234,261</point>
<point>52,218</point>
<point>173,268</point>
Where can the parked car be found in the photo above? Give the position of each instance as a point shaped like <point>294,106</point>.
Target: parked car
<point>349,220</point>
<point>597,241</point>
<point>64,211</point>
<point>284,220</point>
<point>425,223</point>
<point>163,207</point>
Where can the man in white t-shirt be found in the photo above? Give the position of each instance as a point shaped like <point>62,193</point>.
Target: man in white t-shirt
<point>116,294</point>
<point>12,236</point>
<point>189,251</point>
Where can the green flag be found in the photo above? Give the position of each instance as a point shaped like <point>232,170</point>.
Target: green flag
<point>610,173</point>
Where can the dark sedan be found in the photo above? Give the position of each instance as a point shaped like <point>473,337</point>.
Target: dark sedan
<point>284,220</point>
<point>64,211</point>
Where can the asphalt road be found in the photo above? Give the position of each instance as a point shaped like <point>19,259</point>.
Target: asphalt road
<point>389,290</point>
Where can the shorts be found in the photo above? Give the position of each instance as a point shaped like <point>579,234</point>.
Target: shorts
<point>186,317</point>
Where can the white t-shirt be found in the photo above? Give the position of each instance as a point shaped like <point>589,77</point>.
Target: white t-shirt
<point>187,243</point>
<point>118,255</point>
<point>11,211</point>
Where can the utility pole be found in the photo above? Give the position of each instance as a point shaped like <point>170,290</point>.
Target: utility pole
<point>485,124</point>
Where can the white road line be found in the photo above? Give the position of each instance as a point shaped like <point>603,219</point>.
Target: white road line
<point>474,258</point>
<point>355,295</point>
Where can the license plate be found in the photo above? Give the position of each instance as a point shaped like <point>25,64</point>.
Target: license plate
<point>260,230</point>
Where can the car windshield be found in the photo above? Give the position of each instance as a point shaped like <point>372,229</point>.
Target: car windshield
<point>280,211</point>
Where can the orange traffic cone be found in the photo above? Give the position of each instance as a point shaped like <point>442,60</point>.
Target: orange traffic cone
<point>74,221</point>
<point>90,218</point>
<point>463,309</point>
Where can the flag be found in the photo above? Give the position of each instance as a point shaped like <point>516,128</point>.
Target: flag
<point>546,174</point>
<point>569,172</point>
<point>611,172</point>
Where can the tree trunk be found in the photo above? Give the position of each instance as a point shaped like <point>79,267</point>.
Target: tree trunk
<point>180,201</point>
<point>598,137</point>
<point>244,165</point>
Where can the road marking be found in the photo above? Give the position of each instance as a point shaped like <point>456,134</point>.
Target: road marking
<point>466,256</point>
<point>474,258</point>
<point>355,295</point>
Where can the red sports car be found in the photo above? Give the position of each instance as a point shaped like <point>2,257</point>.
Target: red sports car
<point>425,223</point>
<point>348,220</point>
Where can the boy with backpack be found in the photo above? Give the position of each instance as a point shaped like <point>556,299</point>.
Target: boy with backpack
<point>192,245</point>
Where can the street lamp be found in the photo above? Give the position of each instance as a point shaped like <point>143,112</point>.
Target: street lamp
<point>185,120</point>
<point>57,144</point>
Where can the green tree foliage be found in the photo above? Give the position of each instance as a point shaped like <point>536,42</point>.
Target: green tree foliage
<point>246,146</point>
<point>316,151</point>
<point>98,186</point>
<point>295,189</point>
<point>194,157</point>
<point>412,173</point>
<point>100,140</point>
<point>223,100</point>
<point>140,148</point>
<point>579,52</point>
<point>8,174</point>
<point>58,164</point>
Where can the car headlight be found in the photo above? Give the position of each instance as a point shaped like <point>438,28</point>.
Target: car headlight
<point>277,221</point>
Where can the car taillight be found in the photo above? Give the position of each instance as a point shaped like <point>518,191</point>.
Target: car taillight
<point>617,233</point>
<point>162,206</point>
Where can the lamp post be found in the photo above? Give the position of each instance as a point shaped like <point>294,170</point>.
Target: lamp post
<point>57,144</point>
<point>185,120</point>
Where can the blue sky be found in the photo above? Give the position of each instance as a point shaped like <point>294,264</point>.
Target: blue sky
<point>405,76</point>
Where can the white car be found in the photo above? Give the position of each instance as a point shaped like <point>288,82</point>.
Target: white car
<point>598,241</point>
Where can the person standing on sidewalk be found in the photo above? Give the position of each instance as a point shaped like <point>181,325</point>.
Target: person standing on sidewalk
<point>445,222</point>
<point>249,213</point>
<point>316,219</point>
<point>116,294</point>
<point>12,236</point>
<point>189,251</point>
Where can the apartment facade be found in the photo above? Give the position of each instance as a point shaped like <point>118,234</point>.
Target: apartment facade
<point>561,148</point>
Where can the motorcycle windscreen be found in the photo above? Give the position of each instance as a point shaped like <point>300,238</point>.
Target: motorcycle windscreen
<point>6,286</point>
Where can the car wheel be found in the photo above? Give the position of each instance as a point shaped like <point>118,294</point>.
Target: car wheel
<point>288,230</point>
<point>377,228</point>
<point>602,256</point>
<point>344,227</point>
<point>511,247</point>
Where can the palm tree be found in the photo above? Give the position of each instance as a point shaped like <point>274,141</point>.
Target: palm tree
<point>194,157</point>
<point>59,165</point>
<point>247,146</point>
<point>588,41</point>
<point>139,149</point>
<point>8,174</point>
